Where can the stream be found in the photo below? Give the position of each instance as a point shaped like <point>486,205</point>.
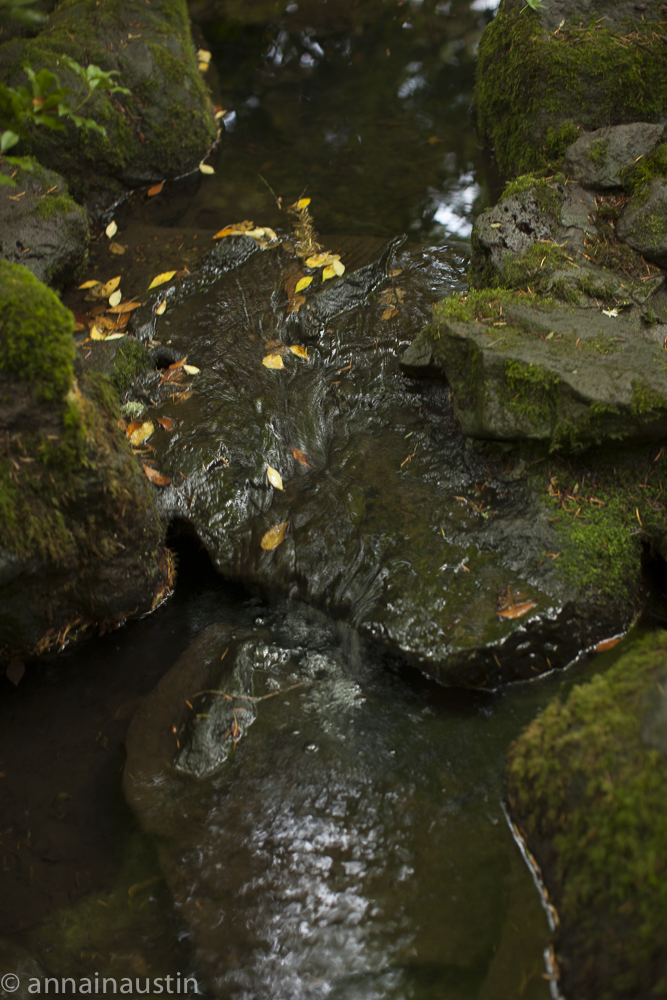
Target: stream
<point>331,826</point>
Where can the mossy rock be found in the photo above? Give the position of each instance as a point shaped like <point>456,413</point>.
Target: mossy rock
<point>586,785</point>
<point>41,226</point>
<point>80,540</point>
<point>600,159</point>
<point>540,84</point>
<point>161,130</point>
<point>643,225</point>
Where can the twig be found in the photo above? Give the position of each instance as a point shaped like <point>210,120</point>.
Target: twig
<point>248,697</point>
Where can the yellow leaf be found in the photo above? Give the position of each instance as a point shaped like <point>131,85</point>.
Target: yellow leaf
<point>191,370</point>
<point>138,436</point>
<point>203,55</point>
<point>115,297</point>
<point>320,259</point>
<point>389,312</point>
<point>328,272</point>
<point>117,248</point>
<point>206,169</point>
<point>274,478</point>
<point>159,309</point>
<point>274,536</point>
<point>220,114</point>
<point>96,334</point>
<point>270,234</point>
<point>303,203</point>
<point>302,283</point>
<point>111,229</point>
<point>273,361</point>
<point>125,308</point>
<point>301,352</point>
<point>338,267</point>
<point>161,278</point>
<point>89,284</point>
<point>106,290</point>
<point>202,67</point>
<point>115,336</point>
<point>255,233</point>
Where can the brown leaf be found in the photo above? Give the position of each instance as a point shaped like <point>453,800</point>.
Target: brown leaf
<point>117,248</point>
<point>15,671</point>
<point>295,303</point>
<point>155,477</point>
<point>274,536</point>
<point>166,423</point>
<point>299,351</point>
<point>300,456</point>
<point>291,283</point>
<point>518,610</point>
<point>389,312</point>
<point>236,229</point>
<point>180,397</point>
<point>152,191</point>
<point>606,644</point>
<point>276,347</point>
<point>125,308</point>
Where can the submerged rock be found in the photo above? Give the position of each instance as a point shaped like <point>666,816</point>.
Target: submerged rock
<point>80,539</point>
<point>41,227</point>
<point>586,784</point>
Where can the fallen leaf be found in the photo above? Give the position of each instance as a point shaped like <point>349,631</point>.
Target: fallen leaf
<point>155,477</point>
<point>339,267</point>
<point>180,397</point>
<point>274,478</point>
<point>518,610</point>
<point>115,298</point>
<point>90,284</point>
<point>206,169</point>
<point>272,236</point>
<point>166,423</point>
<point>125,308</point>
<point>389,312</point>
<point>295,303</point>
<point>391,296</point>
<point>395,271</point>
<point>191,370</point>
<point>111,229</point>
<point>142,433</point>
<point>103,322</point>
<point>235,229</point>
<point>105,290</point>
<point>328,272</point>
<point>115,336</point>
<point>303,283</point>
<point>202,66</point>
<point>160,308</point>
<point>160,279</point>
<point>273,361</point>
<point>321,259</point>
<point>301,352</point>
<point>610,312</point>
<point>15,671</point>
<point>302,203</point>
<point>274,536</point>
<point>203,55</point>
<point>220,113</point>
<point>606,644</point>
<point>152,191</point>
<point>97,334</point>
<point>301,458</point>
<point>117,248</point>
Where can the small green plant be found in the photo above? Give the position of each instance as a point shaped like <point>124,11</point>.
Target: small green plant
<point>534,4</point>
<point>45,102</point>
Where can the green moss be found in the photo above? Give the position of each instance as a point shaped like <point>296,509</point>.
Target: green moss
<point>488,303</point>
<point>645,402</point>
<point>131,360</point>
<point>544,190</point>
<point>589,794</point>
<point>534,269</point>
<point>598,152</point>
<point>531,391</point>
<point>36,333</point>
<point>534,92</point>
<point>637,177</point>
<point>49,206</point>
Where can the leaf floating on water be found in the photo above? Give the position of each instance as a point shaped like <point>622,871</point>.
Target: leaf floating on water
<point>125,308</point>
<point>606,644</point>
<point>160,308</point>
<point>321,259</point>
<point>160,279</point>
<point>301,352</point>
<point>166,423</point>
<point>273,361</point>
<point>155,477</point>
<point>152,191</point>
<point>106,290</point>
<point>518,610</point>
<point>295,303</point>
<point>389,313</point>
<point>275,478</point>
<point>339,267</point>
<point>111,229</point>
<point>115,298</point>
<point>395,271</point>
<point>142,433</point>
<point>302,203</point>
<point>182,396</point>
<point>117,248</point>
<point>274,536</point>
<point>303,283</point>
<point>206,169</point>
<point>328,272</point>
<point>301,458</point>
<point>191,370</point>
<point>89,284</point>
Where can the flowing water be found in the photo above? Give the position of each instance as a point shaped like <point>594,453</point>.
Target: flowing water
<point>346,839</point>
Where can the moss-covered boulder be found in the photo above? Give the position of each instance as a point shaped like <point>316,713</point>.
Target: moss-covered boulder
<point>544,75</point>
<point>80,541</point>
<point>161,130</point>
<point>643,225</point>
<point>586,785</point>
<point>41,227</point>
<point>599,159</point>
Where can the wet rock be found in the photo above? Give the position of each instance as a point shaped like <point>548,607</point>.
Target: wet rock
<point>386,527</point>
<point>643,225</point>
<point>598,158</point>
<point>302,864</point>
<point>569,376</point>
<point>41,227</point>
<point>80,540</point>
<point>585,783</point>
<point>161,130</point>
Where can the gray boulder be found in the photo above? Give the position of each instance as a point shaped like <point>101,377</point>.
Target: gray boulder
<point>643,225</point>
<point>597,158</point>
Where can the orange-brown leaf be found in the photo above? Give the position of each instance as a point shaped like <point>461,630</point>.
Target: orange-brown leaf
<point>152,191</point>
<point>166,422</point>
<point>155,477</point>
<point>300,456</point>
<point>518,610</point>
<point>274,536</point>
<point>606,644</point>
<point>389,312</point>
<point>295,303</point>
